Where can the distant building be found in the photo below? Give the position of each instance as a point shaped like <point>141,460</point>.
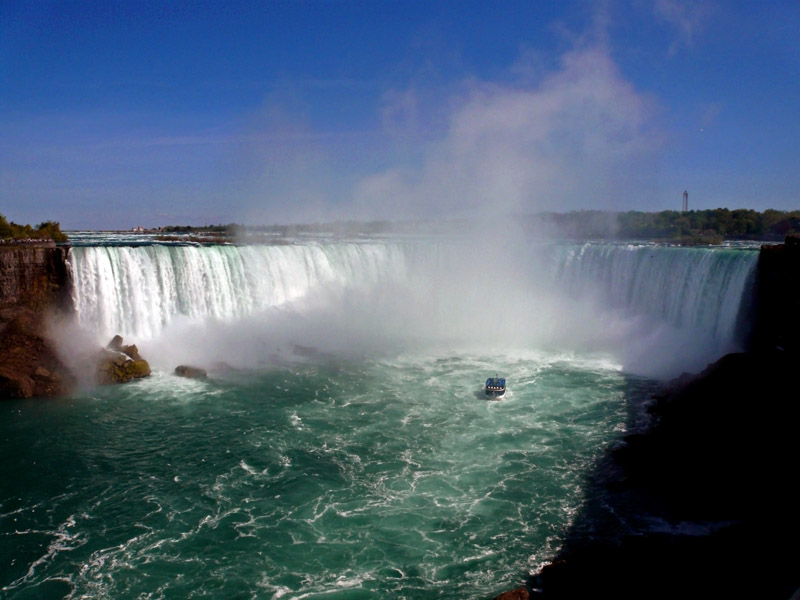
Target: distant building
<point>685,201</point>
<point>138,229</point>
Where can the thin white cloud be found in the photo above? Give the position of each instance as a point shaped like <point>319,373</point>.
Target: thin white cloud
<point>687,17</point>
<point>400,112</point>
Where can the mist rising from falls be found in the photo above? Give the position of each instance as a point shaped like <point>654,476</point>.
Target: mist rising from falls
<point>657,310</point>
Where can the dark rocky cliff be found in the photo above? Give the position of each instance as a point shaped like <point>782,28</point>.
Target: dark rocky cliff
<point>776,302</point>
<point>34,285</point>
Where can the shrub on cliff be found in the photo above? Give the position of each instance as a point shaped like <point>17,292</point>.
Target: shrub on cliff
<point>48,230</point>
<point>51,230</point>
<point>5,229</point>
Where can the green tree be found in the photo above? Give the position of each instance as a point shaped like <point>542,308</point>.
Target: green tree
<point>46,230</point>
<point>5,229</point>
<point>51,230</point>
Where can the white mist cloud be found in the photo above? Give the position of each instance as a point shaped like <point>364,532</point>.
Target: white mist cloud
<point>580,136</point>
<point>568,134</point>
<point>463,298</point>
<point>400,112</point>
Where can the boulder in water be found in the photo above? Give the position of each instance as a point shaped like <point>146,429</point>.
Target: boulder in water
<point>118,364</point>
<point>190,372</point>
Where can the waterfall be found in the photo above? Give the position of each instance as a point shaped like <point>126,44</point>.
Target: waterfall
<point>698,289</point>
<point>136,291</point>
<point>435,286</point>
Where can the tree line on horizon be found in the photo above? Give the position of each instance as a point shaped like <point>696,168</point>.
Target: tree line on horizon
<point>710,226</point>
<point>48,230</point>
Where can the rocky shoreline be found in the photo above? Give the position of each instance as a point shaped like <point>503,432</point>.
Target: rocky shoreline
<point>30,364</point>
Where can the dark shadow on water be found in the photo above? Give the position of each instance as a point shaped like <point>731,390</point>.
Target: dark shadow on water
<point>695,500</point>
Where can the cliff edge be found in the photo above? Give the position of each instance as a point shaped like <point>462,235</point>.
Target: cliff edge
<point>34,285</point>
<point>33,275</point>
<point>776,301</point>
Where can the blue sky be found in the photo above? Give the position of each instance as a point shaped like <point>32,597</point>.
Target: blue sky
<point>123,113</point>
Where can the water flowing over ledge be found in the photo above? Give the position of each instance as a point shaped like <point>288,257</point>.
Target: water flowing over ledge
<point>138,290</point>
<point>536,293</point>
<point>702,499</point>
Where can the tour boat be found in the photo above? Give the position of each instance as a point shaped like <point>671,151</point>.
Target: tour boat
<point>495,387</point>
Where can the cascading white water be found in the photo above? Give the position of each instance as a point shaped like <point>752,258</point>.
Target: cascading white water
<point>700,289</point>
<point>136,291</point>
<point>594,296</point>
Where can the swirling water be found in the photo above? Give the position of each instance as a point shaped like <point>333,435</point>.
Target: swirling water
<point>376,472</point>
<point>368,479</point>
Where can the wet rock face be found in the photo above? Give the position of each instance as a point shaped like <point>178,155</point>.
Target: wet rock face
<point>777,298</point>
<point>33,280</point>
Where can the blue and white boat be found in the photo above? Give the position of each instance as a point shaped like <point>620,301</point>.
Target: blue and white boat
<point>495,387</point>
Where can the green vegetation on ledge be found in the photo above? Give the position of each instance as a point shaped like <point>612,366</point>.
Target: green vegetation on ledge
<point>49,230</point>
<point>691,227</point>
<point>720,223</point>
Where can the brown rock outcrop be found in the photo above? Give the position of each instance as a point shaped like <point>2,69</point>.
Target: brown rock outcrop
<point>33,282</point>
<point>520,593</point>
<point>119,366</point>
<point>34,276</point>
<point>29,363</point>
